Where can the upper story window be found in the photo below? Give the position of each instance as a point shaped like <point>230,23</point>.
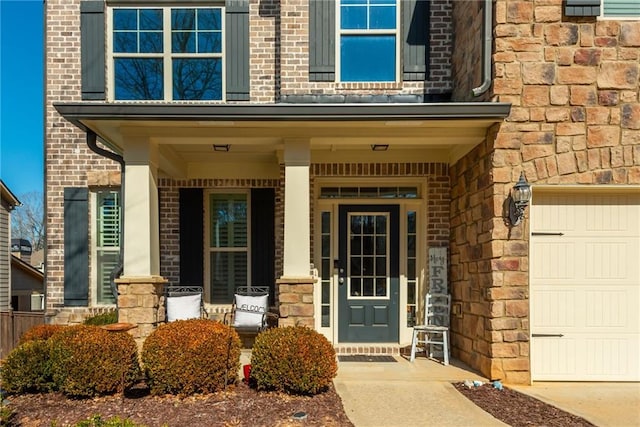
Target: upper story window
<point>168,54</point>
<point>368,40</point>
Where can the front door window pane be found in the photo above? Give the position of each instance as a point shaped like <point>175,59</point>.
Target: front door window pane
<point>368,263</point>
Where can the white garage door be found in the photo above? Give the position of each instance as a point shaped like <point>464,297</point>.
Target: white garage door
<point>585,286</point>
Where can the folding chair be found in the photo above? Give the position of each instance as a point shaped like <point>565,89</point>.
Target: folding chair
<point>250,310</point>
<point>435,329</point>
<point>184,302</point>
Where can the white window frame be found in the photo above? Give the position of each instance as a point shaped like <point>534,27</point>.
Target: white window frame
<point>340,32</point>
<point>94,243</point>
<point>167,56</point>
<point>207,242</point>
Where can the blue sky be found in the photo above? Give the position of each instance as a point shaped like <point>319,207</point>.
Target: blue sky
<point>21,95</point>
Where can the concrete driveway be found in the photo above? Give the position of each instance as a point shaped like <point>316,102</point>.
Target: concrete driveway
<point>410,394</point>
<point>402,393</point>
<point>604,404</point>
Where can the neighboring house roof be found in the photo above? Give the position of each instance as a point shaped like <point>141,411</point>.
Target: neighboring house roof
<point>26,267</point>
<point>8,195</point>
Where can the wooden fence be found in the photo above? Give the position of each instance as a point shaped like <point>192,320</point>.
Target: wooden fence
<point>13,324</point>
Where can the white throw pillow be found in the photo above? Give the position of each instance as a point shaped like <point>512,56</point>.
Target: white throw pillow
<point>249,310</point>
<point>183,307</point>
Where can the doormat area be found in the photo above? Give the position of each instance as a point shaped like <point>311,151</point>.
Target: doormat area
<point>365,358</point>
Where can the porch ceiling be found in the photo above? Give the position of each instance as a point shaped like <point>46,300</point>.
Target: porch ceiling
<point>185,134</point>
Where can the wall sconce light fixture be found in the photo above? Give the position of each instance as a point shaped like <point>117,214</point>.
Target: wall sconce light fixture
<point>225,147</point>
<point>519,200</point>
<point>379,147</point>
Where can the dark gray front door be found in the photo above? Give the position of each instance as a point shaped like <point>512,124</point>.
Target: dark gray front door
<point>368,273</point>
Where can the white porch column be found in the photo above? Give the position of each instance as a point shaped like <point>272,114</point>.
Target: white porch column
<point>297,237</point>
<point>141,221</point>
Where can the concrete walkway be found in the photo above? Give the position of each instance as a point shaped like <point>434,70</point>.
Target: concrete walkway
<point>408,394</point>
<point>603,404</point>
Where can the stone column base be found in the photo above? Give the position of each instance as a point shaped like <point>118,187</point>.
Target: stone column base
<point>141,302</point>
<point>295,295</point>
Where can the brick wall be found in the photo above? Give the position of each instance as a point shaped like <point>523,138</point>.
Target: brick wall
<point>280,65</point>
<point>68,160</point>
<point>573,84</point>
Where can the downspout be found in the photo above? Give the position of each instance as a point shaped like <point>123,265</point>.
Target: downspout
<point>117,271</point>
<point>487,29</point>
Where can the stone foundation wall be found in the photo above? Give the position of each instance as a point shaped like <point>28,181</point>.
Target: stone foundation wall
<point>295,297</point>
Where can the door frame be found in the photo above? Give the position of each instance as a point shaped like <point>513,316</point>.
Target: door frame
<point>331,206</point>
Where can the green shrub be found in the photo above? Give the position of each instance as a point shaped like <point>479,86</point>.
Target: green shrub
<point>296,360</point>
<point>28,368</point>
<point>40,332</point>
<point>191,356</point>
<point>89,361</point>
<point>106,318</point>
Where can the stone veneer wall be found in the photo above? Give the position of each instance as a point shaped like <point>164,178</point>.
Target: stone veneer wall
<point>573,84</point>
<point>466,60</point>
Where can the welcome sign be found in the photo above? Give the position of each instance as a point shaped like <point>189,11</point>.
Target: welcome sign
<point>438,271</point>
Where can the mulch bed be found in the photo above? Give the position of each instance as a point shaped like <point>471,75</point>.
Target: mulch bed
<point>517,409</point>
<point>242,405</point>
<point>238,406</point>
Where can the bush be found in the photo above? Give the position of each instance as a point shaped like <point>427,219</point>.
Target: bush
<point>89,361</point>
<point>296,360</point>
<point>28,368</point>
<point>40,332</point>
<point>106,318</point>
<point>191,356</point>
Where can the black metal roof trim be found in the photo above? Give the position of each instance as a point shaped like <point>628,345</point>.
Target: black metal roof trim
<point>76,112</point>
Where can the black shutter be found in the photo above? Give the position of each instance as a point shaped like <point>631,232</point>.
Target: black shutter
<point>92,49</point>
<point>263,239</point>
<point>76,247</point>
<point>322,40</point>
<point>237,47</point>
<point>582,8</point>
<point>415,34</point>
<point>191,236</point>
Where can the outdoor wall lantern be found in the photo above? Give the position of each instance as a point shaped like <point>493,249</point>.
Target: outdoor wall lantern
<point>519,200</point>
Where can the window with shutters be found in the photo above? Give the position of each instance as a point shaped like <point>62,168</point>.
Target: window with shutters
<point>167,53</point>
<point>227,244</point>
<point>106,243</point>
<point>368,40</point>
